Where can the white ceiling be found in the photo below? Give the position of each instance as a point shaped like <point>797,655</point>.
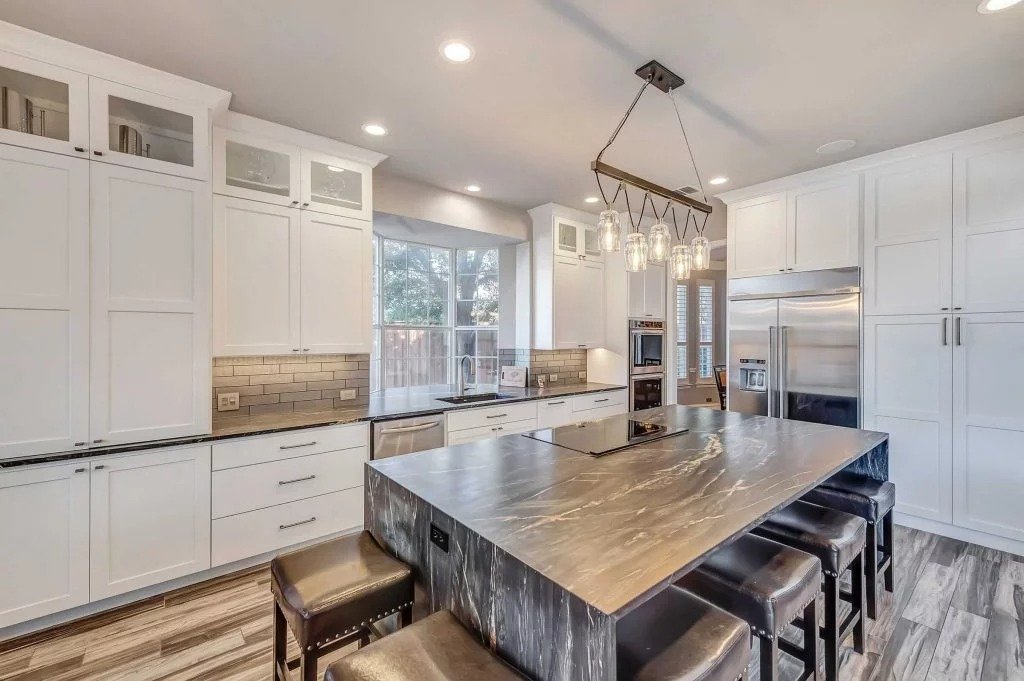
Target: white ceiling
<point>767,82</point>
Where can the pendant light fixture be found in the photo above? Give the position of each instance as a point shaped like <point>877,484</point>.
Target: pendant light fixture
<point>658,248</point>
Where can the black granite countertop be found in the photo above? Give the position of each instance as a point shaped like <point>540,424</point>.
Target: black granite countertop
<point>386,404</point>
<point>613,529</point>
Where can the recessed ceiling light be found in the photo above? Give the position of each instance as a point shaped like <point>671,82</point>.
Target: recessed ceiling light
<point>591,199</point>
<point>721,179</point>
<point>993,6</point>
<point>375,129</point>
<point>836,147</point>
<point>456,51</point>
<point>472,188</point>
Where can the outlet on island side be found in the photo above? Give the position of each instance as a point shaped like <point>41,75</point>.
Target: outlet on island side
<point>439,537</point>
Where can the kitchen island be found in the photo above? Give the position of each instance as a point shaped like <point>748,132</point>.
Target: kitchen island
<point>543,549</point>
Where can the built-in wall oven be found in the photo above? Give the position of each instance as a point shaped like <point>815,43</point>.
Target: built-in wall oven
<point>646,363</point>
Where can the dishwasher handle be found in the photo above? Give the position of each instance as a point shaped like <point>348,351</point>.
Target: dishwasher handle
<point>409,429</point>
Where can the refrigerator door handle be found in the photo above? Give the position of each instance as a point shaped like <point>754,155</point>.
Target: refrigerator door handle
<point>783,407</point>
<point>772,346</point>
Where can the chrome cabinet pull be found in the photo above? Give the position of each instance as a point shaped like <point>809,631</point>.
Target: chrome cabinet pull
<point>304,444</point>
<point>99,468</point>
<point>604,400</point>
<point>81,444</point>
<point>288,482</point>
<point>945,339</point>
<point>81,470</point>
<point>551,404</point>
<point>497,416</point>
<point>783,369</point>
<point>496,429</point>
<point>301,522</point>
<point>959,338</point>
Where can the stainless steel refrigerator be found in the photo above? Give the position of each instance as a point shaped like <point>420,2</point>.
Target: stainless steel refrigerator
<point>794,346</point>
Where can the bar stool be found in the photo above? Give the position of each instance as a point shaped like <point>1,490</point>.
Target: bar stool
<point>677,636</point>
<point>837,539</point>
<point>872,500</point>
<point>436,648</point>
<point>769,586</point>
<point>329,594</point>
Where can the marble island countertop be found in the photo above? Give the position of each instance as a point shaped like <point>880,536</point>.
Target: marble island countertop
<point>614,529</point>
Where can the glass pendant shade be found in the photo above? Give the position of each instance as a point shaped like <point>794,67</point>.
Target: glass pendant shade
<point>660,243</point>
<point>701,253</point>
<point>680,262</point>
<point>608,232</point>
<point>636,252</point>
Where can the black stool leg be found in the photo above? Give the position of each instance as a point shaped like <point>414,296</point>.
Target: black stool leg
<point>857,584</point>
<point>871,569</point>
<point>280,660</point>
<point>406,616</point>
<point>769,658</point>
<point>888,545</point>
<point>831,629</point>
<point>307,666</point>
<point>811,658</point>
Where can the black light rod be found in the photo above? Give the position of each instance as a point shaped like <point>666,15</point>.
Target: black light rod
<point>640,183</point>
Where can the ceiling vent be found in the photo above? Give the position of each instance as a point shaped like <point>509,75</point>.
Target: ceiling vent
<point>688,189</point>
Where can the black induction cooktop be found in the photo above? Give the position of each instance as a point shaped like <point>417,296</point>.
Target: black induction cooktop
<point>598,438</point>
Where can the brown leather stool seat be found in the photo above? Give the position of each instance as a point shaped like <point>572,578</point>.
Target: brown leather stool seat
<point>328,594</point>
<point>437,648</point>
<point>769,586</point>
<point>872,500</point>
<point>677,636</point>
<point>838,540</point>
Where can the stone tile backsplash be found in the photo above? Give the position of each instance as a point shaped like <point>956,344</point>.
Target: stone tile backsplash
<point>569,365</point>
<point>286,383</point>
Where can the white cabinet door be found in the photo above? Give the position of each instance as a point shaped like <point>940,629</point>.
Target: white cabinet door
<point>251,167</point>
<point>150,519</point>
<point>461,437</point>
<point>336,281</point>
<point>988,424</point>
<point>140,129</point>
<point>44,529</point>
<point>255,278</point>
<point>590,298</point>
<point>336,186</point>
<point>823,225</point>
<point>566,309</point>
<point>988,226</point>
<point>908,236</point>
<point>150,372</point>
<point>44,302</point>
<point>757,236</point>
<point>908,394</point>
<point>646,293</point>
<point>47,106</point>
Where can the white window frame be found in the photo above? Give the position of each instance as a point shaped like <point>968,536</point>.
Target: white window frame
<point>700,343</point>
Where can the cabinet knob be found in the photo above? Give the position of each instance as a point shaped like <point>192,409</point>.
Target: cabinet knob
<point>81,470</point>
<point>943,308</point>
<point>98,153</point>
<point>295,203</point>
<point>100,467</point>
<point>81,444</point>
<point>305,204</point>
<point>80,149</point>
<point>96,442</point>
<point>957,308</point>
<point>295,349</point>
<point>305,349</point>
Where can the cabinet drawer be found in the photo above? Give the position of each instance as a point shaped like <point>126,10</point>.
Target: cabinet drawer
<point>238,490</point>
<point>554,413</point>
<point>599,401</point>
<point>492,431</point>
<point>288,445</point>
<point>250,534</point>
<point>502,413</point>
<point>600,412</point>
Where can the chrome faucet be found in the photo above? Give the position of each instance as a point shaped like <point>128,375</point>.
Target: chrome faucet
<point>462,375</point>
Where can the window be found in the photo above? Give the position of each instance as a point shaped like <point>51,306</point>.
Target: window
<point>706,328</point>
<point>427,317</point>
<point>702,332</point>
<point>682,325</point>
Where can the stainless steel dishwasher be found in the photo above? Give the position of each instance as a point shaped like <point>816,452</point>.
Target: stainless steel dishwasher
<point>407,435</point>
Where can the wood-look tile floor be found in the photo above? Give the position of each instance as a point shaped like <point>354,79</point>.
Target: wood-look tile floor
<point>957,613</point>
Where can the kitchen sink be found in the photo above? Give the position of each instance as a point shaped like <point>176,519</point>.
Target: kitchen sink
<point>476,397</point>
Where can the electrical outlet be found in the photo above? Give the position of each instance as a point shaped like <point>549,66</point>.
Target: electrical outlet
<point>553,377</point>
<point>347,394</point>
<point>439,537</point>
<point>227,402</point>
<point>583,375</point>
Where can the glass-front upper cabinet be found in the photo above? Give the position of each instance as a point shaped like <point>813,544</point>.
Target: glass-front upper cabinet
<point>251,167</point>
<point>576,238</point>
<point>336,186</point>
<point>145,130</point>
<point>43,106</point>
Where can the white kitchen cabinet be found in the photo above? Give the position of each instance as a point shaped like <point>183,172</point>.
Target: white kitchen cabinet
<point>44,529</point>
<point>150,368</point>
<point>646,295</point>
<point>823,225</point>
<point>44,302</point>
<point>335,281</point>
<point>757,236</point>
<point>554,413</point>
<point>908,238</point>
<point>149,131</point>
<point>461,437</point>
<point>47,106</point>
<point>988,226</point>
<point>575,238</point>
<point>988,424</point>
<point>578,316</point>
<point>256,278</point>
<point>336,185</point>
<point>908,393</point>
<point>149,519</point>
<point>248,166</point>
